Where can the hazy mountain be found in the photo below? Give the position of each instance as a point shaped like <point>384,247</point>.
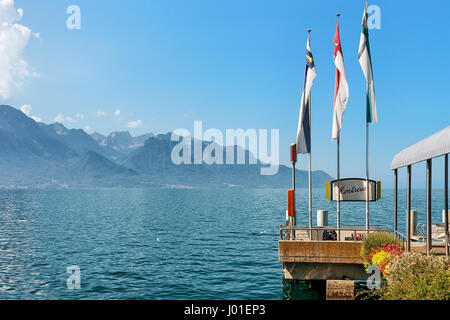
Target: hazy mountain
<point>140,140</point>
<point>93,164</point>
<point>98,137</point>
<point>22,136</point>
<point>75,139</point>
<point>121,141</point>
<point>36,154</point>
<point>154,159</point>
<point>39,155</point>
<point>92,167</point>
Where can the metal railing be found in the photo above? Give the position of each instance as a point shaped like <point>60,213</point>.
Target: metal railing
<point>288,233</point>
<point>421,229</point>
<point>400,237</point>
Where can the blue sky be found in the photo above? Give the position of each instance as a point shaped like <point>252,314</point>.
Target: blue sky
<point>240,64</point>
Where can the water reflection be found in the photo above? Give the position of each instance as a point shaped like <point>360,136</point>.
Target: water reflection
<point>302,290</point>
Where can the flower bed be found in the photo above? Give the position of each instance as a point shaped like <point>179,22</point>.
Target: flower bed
<point>382,257</point>
<point>408,276</point>
<point>380,249</point>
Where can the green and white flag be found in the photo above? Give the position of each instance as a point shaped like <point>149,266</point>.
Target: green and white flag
<point>366,64</point>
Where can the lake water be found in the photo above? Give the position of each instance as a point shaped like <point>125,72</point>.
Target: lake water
<point>162,243</point>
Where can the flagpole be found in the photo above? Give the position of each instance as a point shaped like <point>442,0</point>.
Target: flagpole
<point>367,154</point>
<point>339,190</point>
<point>367,177</point>
<point>293,187</point>
<point>338,177</point>
<point>310,174</point>
<point>310,161</point>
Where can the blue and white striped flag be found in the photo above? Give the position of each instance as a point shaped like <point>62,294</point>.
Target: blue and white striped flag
<point>304,120</point>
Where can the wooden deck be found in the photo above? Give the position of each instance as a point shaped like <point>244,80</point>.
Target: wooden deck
<point>421,247</point>
<point>320,251</point>
<point>306,257</point>
<point>321,260</point>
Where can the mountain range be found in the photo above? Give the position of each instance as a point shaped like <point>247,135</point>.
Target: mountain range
<point>38,155</point>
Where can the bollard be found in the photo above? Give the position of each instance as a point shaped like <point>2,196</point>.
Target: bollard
<point>443,215</point>
<point>414,222</point>
<point>322,218</point>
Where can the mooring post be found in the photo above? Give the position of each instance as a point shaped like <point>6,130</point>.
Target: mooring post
<point>322,218</point>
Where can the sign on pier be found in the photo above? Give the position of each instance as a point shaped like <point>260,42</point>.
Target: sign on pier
<point>353,189</point>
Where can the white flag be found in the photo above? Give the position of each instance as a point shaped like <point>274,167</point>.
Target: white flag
<point>341,86</point>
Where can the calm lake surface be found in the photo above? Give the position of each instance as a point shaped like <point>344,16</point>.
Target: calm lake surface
<point>162,243</point>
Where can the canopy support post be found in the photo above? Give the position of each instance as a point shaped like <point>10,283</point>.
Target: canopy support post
<point>446,206</point>
<point>395,202</point>
<point>408,212</point>
<point>429,232</point>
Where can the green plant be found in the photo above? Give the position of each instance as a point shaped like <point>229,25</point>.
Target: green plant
<point>414,276</point>
<point>374,294</point>
<point>375,241</point>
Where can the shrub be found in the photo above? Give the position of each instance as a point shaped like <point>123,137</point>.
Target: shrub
<point>374,294</point>
<point>375,241</point>
<point>418,277</point>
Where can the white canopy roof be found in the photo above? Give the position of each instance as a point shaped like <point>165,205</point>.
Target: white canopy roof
<point>434,146</point>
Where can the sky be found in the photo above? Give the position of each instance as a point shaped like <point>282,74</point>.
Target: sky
<point>155,66</point>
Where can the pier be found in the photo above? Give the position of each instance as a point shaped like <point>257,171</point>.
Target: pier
<point>306,258</point>
<point>338,263</point>
<point>309,254</point>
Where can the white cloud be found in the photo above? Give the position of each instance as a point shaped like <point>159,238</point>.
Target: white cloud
<point>87,129</point>
<point>79,115</point>
<point>134,124</point>
<point>36,119</point>
<point>26,108</point>
<point>14,37</point>
<point>19,11</point>
<point>101,113</point>
<point>117,112</point>
<point>61,118</point>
